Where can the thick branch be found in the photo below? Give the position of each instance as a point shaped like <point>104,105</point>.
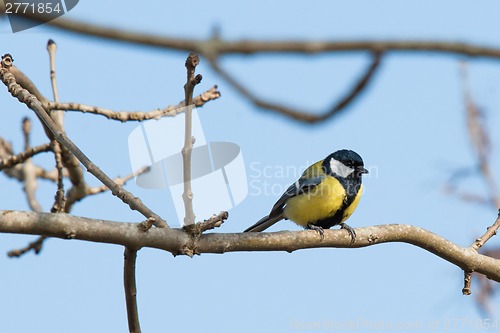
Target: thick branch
<point>178,242</point>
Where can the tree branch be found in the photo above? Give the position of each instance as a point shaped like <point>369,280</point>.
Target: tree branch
<point>178,242</point>
<point>217,47</point>
<point>214,48</point>
<point>9,162</point>
<point>490,232</point>
<point>36,246</point>
<point>16,171</point>
<point>302,115</point>
<point>58,117</point>
<point>123,116</point>
<point>119,180</point>
<point>130,256</point>
<point>34,104</point>
<point>28,171</point>
<point>69,161</point>
<point>191,62</point>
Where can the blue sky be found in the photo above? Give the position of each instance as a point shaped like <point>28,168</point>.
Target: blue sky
<point>409,126</point>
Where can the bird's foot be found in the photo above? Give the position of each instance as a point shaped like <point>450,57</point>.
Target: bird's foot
<point>318,229</point>
<point>351,231</point>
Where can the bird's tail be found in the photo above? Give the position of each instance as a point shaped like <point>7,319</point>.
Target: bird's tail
<point>264,223</point>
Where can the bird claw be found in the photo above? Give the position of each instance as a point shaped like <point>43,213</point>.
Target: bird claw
<point>351,231</point>
<point>316,228</point>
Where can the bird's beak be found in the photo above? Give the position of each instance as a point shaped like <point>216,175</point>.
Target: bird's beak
<point>362,170</point>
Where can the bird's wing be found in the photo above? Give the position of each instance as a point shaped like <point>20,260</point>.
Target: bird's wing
<point>301,186</point>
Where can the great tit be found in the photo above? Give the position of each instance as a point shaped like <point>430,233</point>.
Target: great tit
<point>325,195</point>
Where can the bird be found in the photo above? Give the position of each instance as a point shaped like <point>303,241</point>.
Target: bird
<point>325,195</point>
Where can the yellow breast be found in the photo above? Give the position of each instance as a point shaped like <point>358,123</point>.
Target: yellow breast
<point>352,207</point>
<point>321,202</point>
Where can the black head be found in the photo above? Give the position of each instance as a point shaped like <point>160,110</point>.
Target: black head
<point>344,164</point>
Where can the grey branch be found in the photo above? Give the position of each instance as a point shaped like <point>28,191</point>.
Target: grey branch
<point>130,257</point>
<point>36,246</point>
<point>123,116</point>
<point>177,241</point>
<point>297,114</point>
<point>9,162</point>
<point>191,62</point>
<point>34,104</point>
<point>217,46</point>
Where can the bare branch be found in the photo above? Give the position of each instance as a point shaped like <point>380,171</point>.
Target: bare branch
<point>213,222</point>
<point>120,181</point>
<point>490,232</point>
<point>58,117</point>
<point>16,171</point>
<point>28,171</point>
<point>217,47</point>
<point>467,282</point>
<point>177,241</point>
<point>36,246</point>
<point>30,100</point>
<point>59,200</point>
<point>9,162</point>
<point>130,257</point>
<point>70,162</point>
<point>191,62</point>
<point>123,116</point>
<point>480,138</point>
<point>302,115</point>
<point>52,48</point>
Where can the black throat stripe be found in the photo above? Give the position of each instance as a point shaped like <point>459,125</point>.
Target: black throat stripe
<point>351,186</point>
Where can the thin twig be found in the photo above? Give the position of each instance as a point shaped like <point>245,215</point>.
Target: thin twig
<point>58,117</point>
<point>9,162</point>
<point>52,48</point>
<point>191,62</point>
<point>490,232</point>
<point>130,256</point>
<point>119,180</point>
<point>36,246</point>
<point>59,199</point>
<point>297,114</point>
<point>31,101</point>
<point>213,222</point>
<point>124,116</point>
<point>16,171</point>
<point>480,138</point>
<point>467,282</point>
<point>28,171</point>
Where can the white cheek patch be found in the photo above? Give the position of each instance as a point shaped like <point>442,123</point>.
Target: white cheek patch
<point>340,168</point>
